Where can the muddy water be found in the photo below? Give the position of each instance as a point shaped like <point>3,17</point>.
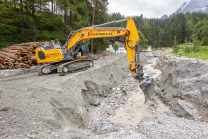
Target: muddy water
<point>135,109</point>
<point>149,69</point>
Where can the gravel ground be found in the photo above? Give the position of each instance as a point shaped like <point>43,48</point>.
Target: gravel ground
<point>101,102</point>
<point>168,126</point>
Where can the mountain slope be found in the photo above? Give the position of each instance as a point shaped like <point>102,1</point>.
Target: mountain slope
<point>196,5</point>
<point>164,16</point>
<point>191,6</point>
<point>181,9</point>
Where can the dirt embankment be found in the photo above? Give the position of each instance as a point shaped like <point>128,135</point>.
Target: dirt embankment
<point>105,102</point>
<point>184,85</point>
<point>32,105</point>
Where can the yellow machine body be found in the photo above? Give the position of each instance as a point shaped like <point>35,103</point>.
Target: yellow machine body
<point>77,43</point>
<point>130,32</point>
<point>44,56</point>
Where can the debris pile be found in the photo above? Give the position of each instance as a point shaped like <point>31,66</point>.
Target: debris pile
<point>19,55</point>
<point>105,102</point>
<point>184,86</point>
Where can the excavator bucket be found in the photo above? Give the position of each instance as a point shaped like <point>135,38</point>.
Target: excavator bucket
<point>147,86</point>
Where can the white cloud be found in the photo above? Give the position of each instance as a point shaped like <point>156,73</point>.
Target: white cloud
<point>149,8</point>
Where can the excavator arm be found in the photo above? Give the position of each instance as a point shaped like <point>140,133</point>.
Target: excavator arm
<point>65,58</point>
<point>130,33</point>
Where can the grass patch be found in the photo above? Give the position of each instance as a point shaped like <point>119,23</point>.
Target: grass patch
<point>199,55</point>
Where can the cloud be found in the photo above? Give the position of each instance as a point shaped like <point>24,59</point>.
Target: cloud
<point>149,8</point>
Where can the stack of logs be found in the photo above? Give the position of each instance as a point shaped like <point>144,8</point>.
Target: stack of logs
<point>19,56</point>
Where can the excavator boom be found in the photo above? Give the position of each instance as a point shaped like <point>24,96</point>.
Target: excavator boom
<point>65,59</point>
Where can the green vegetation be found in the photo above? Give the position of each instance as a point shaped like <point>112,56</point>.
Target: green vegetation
<point>142,40</point>
<point>161,32</point>
<point>41,20</point>
<point>116,46</point>
<point>175,46</point>
<point>200,32</point>
<point>196,46</point>
<point>188,51</point>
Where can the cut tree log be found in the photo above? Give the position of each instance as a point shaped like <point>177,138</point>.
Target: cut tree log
<point>7,58</point>
<point>19,55</point>
<point>13,56</point>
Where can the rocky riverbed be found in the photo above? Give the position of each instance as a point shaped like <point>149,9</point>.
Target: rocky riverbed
<point>106,102</point>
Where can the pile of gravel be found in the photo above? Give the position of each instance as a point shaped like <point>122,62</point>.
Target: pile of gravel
<point>184,86</point>
<point>166,126</point>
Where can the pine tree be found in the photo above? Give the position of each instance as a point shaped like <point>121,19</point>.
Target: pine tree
<point>175,46</point>
<point>116,46</point>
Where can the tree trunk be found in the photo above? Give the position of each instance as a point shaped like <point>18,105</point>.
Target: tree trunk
<point>52,6</point>
<point>70,18</point>
<point>160,40</point>
<point>21,13</point>
<point>33,16</point>
<point>56,7</point>
<point>92,24</point>
<point>14,3</point>
<point>40,6</point>
<point>65,14</point>
<point>10,4</point>
<point>148,37</point>
<point>5,3</point>
<point>189,37</point>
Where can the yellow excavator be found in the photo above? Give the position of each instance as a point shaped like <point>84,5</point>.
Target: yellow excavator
<point>72,56</point>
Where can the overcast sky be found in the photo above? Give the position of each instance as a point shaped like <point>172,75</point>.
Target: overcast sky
<point>149,8</point>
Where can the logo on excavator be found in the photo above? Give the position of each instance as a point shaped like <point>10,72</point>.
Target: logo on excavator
<point>47,56</point>
<point>96,34</point>
<point>52,55</point>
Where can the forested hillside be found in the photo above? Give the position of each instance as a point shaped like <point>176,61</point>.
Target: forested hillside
<point>45,20</point>
<point>161,32</point>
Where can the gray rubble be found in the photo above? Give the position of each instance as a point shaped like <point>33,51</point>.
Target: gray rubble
<point>166,126</point>
<point>106,102</point>
<point>41,103</point>
<point>184,86</point>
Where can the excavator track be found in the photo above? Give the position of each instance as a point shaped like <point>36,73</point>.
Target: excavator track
<point>40,69</point>
<point>74,66</point>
